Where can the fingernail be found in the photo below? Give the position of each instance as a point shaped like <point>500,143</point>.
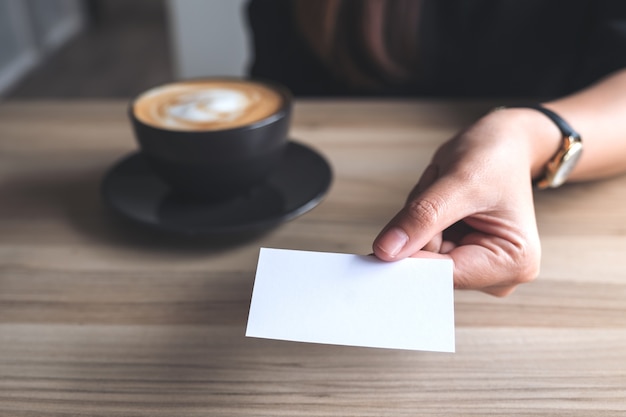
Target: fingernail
<point>393,241</point>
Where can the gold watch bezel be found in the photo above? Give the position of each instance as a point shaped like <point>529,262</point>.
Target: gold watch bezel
<point>559,167</point>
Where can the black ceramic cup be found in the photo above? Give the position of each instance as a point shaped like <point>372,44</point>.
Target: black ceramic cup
<point>213,147</point>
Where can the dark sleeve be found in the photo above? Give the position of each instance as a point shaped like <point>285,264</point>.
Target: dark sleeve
<point>512,48</point>
<point>604,50</point>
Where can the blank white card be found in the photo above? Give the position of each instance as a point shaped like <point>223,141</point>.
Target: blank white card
<point>353,300</point>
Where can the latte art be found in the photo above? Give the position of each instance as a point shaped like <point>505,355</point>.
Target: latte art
<point>206,105</point>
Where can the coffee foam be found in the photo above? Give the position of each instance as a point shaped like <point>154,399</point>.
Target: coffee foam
<point>206,105</point>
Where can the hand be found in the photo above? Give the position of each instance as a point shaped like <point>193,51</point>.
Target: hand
<point>474,204</point>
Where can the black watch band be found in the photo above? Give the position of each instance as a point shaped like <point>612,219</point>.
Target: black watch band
<point>564,127</point>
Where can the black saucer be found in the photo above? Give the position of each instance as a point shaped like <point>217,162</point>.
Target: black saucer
<point>299,184</point>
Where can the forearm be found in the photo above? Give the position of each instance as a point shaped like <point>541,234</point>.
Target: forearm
<point>598,113</point>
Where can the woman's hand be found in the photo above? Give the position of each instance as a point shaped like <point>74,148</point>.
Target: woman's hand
<point>474,204</point>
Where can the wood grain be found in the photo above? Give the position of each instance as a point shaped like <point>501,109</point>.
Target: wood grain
<point>99,318</point>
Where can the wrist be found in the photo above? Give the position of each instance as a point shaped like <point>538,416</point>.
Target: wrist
<point>540,137</point>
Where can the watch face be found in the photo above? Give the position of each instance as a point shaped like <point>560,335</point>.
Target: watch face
<point>568,162</point>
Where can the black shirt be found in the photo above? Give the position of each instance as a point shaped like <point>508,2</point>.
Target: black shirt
<point>469,48</point>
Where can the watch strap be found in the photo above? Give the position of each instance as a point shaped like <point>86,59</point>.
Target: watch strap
<point>564,127</point>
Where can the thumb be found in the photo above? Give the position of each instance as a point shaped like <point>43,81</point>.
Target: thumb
<point>425,215</point>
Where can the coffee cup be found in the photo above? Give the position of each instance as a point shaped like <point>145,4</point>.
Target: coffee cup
<point>212,138</point>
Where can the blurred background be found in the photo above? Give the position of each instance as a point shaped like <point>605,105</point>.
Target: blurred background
<point>116,48</point>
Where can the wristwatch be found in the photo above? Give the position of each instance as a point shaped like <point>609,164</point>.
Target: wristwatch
<point>564,160</point>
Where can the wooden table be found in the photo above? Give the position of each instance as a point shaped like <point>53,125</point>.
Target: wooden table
<point>101,319</point>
